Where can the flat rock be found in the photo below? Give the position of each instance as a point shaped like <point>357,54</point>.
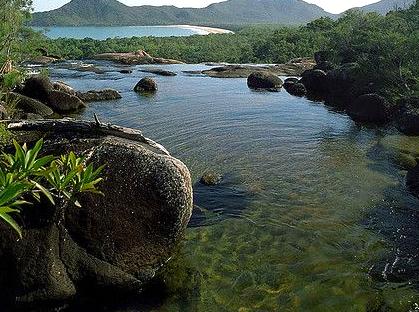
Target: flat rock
<point>139,57</point>
<point>158,71</point>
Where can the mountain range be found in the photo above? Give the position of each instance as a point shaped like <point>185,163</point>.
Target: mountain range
<point>231,12</point>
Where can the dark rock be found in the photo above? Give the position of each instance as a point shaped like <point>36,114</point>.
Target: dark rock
<point>211,178</point>
<point>37,87</point>
<point>158,71</point>
<point>63,87</point>
<point>315,81</point>
<point>29,105</point>
<point>291,80</point>
<point>146,85</point>
<point>62,102</point>
<point>126,71</point>
<point>115,243</point>
<point>99,95</point>
<point>297,89</point>
<point>412,180</point>
<point>264,80</point>
<point>370,108</point>
<point>324,66</point>
<point>407,120</point>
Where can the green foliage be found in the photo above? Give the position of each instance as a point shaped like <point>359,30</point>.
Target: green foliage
<point>24,174</point>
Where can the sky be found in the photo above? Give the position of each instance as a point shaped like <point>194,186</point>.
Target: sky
<point>333,6</point>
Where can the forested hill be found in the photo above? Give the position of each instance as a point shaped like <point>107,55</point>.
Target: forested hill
<point>386,6</point>
<point>232,12</point>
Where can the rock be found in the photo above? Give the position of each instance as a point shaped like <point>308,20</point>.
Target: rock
<point>324,66</point>
<point>293,68</point>
<point>407,120</point>
<point>38,88</point>
<point>342,85</point>
<point>290,81</point>
<point>62,102</point>
<point>146,85</point>
<point>370,108</point>
<point>158,71</point>
<point>99,95</point>
<point>314,81</point>
<point>412,180</point>
<point>44,60</point>
<point>63,87</point>
<point>139,57</point>
<point>29,105</point>
<point>264,80</point>
<point>211,178</point>
<point>115,243</point>
<point>126,71</point>
<point>297,89</point>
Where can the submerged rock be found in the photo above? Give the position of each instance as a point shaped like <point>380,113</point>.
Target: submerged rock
<point>412,180</point>
<point>371,108</point>
<point>264,80</point>
<point>211,178</point>
<point>160,72</point>
<point>99,95</point>
<point>115,242</point>
<point>146,85</point>
<point>126,71</point>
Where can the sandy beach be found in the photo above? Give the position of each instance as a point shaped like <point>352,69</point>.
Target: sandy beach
<point>201,30</point>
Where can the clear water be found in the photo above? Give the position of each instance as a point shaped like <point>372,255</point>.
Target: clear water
<point>102,33</point>
<point>313,214</point>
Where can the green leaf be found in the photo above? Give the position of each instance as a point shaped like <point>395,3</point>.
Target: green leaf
<point>4,214</point>
<point>44,191</point>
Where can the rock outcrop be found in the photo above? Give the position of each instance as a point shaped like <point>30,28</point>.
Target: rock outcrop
<point>408,116</point>
<point>115,242</point>
<point>25,105</point>
<point>370,108</point>
<point>139,57</point>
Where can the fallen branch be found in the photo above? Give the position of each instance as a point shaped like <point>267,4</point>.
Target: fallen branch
<point>68,125</point>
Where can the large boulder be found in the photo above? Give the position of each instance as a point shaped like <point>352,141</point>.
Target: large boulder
<point>63,102</point>
<point>99,95</point>
<point>408,117</point>
<point>296,89</point>
<point>63,87</point>
<point>28,105</point>
<point>264,80</point>
<point>371,108</point>
<point>116,242</point>
<point>37,87</point>
<point>315,81</point>
<point>146,85</point>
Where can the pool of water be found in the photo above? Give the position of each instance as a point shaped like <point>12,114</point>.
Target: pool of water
<point>104,32</point>
<point>313,214</point>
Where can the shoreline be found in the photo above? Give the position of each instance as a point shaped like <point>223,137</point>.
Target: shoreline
<point>203,30</point>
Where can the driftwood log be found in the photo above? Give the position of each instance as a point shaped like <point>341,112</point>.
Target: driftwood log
<point>84,127</point>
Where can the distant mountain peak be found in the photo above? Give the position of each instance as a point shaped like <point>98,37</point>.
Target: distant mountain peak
<point>114,13</point>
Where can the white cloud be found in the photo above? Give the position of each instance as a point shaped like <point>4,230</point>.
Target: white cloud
<point>335,6</point>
